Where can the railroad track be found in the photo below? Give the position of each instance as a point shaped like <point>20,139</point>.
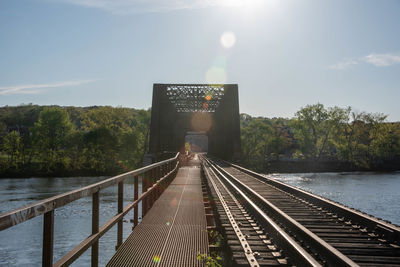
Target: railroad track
<point>305,229</point>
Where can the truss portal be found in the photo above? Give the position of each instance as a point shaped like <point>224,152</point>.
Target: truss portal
<point>212,109</point>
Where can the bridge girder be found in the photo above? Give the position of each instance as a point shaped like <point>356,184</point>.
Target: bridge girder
<point>210,108</point>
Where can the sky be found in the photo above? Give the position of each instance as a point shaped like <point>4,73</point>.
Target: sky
<point>283,54</point>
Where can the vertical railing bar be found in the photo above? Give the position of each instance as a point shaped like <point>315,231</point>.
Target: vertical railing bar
<point>148,198</point>
<point>154,177</point>
<point>157,177</point>
<point>144,189</point>
<point>48,239</point>
<point>161,183</point>
<point>143,200</point>
<point>162,175</point>
<point>120,208</point>
<point>153,195</point>
<point>154,171</point>
<point>95,228</point>
<point>135,197</point>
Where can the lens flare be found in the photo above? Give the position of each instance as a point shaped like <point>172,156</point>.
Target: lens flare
<point>201,122</point>
<point>156,259</point>
<point>208,97</point>
<point>205,105</point>
<point>216,75</point>
<point>173,202</point>
<point>228,39</point>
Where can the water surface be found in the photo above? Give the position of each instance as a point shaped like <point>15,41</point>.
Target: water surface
<point>21,245</point>
<point>377,194</point>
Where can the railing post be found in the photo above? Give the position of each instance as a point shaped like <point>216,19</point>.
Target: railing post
<point>135,197</point>
<point>150,178</point>
<point>144,189</point>
<point>154,179</point>
<point>148,198</point>
<point>160,173</point>
<point>120,207</point>
<point>48,239</point>
<point>95,228</point>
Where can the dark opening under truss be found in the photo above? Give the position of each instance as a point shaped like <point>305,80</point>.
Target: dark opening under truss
<point>195,98</point>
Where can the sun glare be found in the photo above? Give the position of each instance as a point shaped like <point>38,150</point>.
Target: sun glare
<point>245,3</point>
<point>228,39</point>
<point>249,7</point>
<point>235,2</point>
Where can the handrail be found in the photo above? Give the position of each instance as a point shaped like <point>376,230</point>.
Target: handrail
<point>159,175</point>
<point>19,215</point>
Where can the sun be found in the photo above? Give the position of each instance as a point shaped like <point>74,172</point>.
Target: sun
<point>235,2</point>
<point>250,4</point>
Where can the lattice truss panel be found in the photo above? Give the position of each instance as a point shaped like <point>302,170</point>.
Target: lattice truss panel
<point>195,98</point>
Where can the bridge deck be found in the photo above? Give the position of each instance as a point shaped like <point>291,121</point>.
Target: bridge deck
<point>173,231</point>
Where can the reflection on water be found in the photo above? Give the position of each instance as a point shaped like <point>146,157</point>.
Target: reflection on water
<point>21,245</point>
<point>375,193</point>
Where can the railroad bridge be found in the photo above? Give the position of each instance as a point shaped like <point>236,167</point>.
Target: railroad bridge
<point>200,209</point>
<point>205,115</point>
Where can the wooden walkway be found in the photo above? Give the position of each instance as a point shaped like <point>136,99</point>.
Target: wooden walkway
<point>174,230</point>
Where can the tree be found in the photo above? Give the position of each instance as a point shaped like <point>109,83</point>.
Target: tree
<point>314,127</point>
<point>51,133</point>
<point>11,145</point>
<point>129,129</point>
<point>280,141</point>
<point>255,138</point>
<point>100,150</point>
<point>143,119</point>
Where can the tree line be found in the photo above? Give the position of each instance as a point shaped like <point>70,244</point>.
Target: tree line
<point>318,133</point>
<point>53,140</point>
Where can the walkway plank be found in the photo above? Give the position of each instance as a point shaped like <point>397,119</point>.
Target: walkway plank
<point>174,231</point>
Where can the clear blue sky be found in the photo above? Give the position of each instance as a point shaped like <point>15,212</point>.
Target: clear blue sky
<point>283,54</point>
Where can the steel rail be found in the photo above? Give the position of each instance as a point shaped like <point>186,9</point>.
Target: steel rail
<point>387,230</point>
<point>328,253</point>
<point>251,259</point>
<point>281,238</point>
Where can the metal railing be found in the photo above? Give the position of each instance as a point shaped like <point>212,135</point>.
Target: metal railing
<point>156,176</point>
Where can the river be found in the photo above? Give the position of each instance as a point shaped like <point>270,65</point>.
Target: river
<point>21,245</point>
<point>375,193</point>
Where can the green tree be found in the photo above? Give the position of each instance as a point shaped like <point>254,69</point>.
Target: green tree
<point>51,134</point>
<point>280,140</point>
<point>101,150</point>
<point>143,119</point>
<point>11,145</point>
<point>367,139</point>
<point>3,128</point>
<point>255,140</point>
<point>26,149</point>
<point>115,119</point>
<point>314,127</point>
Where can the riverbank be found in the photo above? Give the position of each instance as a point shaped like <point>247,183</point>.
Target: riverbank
<point>31,172</point>
<point>303,166</point>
